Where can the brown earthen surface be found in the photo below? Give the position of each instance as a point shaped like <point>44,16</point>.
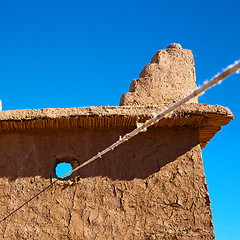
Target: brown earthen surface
<point>152,187</point>
<point>169,77</point>
<point>207,118</point>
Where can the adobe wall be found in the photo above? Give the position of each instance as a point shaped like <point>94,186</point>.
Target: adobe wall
<point>168,78</point>
<point>152,187</point>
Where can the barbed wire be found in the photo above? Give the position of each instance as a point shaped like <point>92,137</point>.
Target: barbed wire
<point>142,127</point>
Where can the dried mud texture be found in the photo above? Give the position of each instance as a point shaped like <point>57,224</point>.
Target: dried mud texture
<point>207,118</point>
<point>169,77</point>
<point>152,187</point>
<point>108,112</point>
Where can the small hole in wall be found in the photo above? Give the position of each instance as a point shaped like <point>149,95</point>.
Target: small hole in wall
<point>62,169</point>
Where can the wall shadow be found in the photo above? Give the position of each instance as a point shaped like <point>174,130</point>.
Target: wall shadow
<point>143,155</point>
<point>34,154</point>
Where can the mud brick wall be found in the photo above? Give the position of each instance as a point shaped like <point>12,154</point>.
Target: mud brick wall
<point>169,77</point>
<point>152,187</point>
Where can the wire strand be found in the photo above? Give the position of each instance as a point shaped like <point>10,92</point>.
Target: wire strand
<point>29,200</point>
<point>143,127</point>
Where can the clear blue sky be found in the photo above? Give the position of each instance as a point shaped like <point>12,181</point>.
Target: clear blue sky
<point>73,53</point>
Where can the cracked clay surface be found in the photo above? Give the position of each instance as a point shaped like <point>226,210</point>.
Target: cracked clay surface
<point>153,187</point>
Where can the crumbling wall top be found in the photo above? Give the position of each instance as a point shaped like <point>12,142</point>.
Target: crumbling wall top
<point>169,77</point>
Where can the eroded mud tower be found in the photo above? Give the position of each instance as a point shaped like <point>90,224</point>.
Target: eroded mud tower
<point>152,187</point>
